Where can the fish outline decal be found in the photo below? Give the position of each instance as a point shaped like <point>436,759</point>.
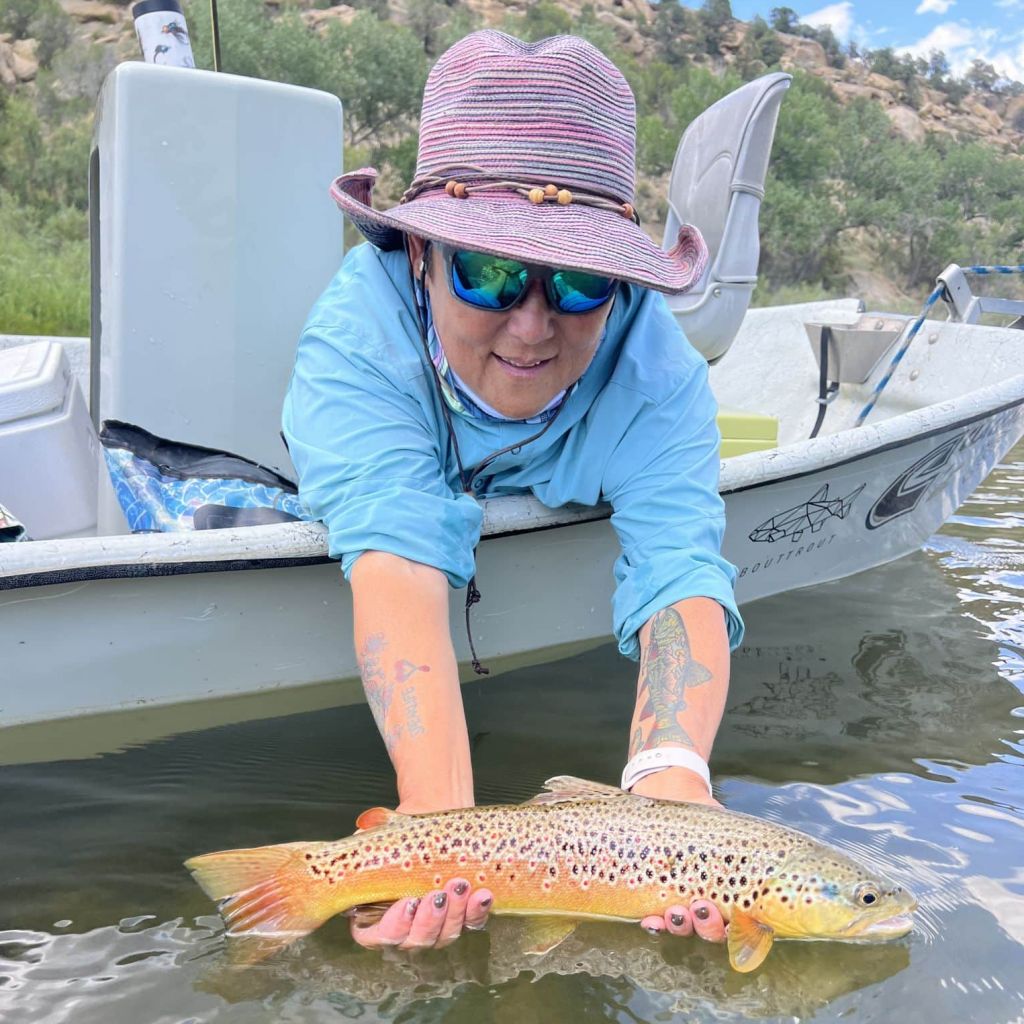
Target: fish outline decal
<point>811,516</point>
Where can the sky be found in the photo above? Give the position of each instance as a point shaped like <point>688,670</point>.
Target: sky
<point>992,30</point>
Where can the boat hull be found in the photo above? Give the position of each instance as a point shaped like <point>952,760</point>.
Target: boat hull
<point>104,638</point>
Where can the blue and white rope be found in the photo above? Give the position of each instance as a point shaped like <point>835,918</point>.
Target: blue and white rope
<point>916,326</point>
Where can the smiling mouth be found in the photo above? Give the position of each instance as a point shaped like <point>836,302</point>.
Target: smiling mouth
<point>522,365</point>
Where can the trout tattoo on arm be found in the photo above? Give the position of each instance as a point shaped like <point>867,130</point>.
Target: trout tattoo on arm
<point>394,719</point>
<point>667,669</point>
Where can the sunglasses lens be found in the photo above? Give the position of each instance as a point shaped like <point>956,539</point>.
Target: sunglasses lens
<point>579,292</point>
<point>488,282</point>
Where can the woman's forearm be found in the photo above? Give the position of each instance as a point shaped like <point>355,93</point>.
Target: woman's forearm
<point>681,691</point>
<point>408,667</point>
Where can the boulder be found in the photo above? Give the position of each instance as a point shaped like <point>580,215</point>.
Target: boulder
<point>1014,114</point>
<point>802,54</point>
<point>22,60</point>
<point>87,10</point>
<point>8,79</point>
<point>852,90</point>
<point>884,85</point>
<point>906,123</point>
<point>342,14</point>
<point>982,113</point>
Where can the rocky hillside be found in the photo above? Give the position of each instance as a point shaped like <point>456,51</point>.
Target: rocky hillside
<point>991,117</point>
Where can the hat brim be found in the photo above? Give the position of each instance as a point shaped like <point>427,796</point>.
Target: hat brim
<point>506,224</point>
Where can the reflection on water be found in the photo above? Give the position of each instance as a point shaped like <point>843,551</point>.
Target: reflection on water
<point>882,713</point>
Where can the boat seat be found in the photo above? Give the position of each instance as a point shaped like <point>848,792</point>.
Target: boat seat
<point>717,184</point>
<point>744,432</point>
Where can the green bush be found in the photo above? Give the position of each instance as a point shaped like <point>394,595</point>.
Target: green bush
<point>44,271</point>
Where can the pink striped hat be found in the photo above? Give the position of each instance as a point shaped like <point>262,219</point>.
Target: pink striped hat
<point>527,150</point>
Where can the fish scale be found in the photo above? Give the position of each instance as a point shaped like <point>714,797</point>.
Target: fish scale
<point>582,850</point>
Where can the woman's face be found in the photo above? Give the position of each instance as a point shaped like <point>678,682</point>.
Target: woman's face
<point>516,361</point>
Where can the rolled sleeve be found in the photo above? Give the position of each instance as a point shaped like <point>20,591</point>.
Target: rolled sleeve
<point>370,465</point>
<point>662,482</point>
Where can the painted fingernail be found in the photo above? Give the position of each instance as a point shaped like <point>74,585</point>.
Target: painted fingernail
<point>460,888</point>
<point>486,904</point>
<point>651,930</point>
<point>440,900</point>
<point>411,907</point>
<point>677,920</point>
<point>702,913</point>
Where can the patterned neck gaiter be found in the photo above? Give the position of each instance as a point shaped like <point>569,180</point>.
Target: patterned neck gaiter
<point>457,394</point>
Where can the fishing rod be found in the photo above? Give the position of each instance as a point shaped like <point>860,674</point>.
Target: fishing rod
<point>215,29</point>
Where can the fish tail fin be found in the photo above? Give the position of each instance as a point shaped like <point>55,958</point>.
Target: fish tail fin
<point>266,890</point>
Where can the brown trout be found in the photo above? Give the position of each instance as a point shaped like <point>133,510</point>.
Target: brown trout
<point>580,850</point>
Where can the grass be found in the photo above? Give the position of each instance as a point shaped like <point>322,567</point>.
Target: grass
<point>44,272</point>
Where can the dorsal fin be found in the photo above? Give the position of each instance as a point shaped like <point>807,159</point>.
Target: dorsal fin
<point>375,817</point>
<point>562,788</point>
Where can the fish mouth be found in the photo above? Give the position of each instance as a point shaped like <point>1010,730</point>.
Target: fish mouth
<point>888,928</point>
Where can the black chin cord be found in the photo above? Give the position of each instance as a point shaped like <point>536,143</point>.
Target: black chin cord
<point>466,478</point>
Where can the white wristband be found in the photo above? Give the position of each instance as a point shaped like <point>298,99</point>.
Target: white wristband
<point>647,762</point>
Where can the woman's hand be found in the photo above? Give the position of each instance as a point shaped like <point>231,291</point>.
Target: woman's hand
<point>702,917</point>
<point>431,922</point>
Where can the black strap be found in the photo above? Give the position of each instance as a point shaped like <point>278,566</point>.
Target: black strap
<point>826,391</point>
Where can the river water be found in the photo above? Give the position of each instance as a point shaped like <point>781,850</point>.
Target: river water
<point>883,713</point>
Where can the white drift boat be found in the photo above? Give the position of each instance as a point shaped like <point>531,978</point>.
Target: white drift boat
<point>212,235</point>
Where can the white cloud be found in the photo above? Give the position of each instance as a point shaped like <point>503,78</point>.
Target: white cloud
<point>1010,3</point>
<point>937,6</point>
<point>838,17</point>
<point>963,43</point>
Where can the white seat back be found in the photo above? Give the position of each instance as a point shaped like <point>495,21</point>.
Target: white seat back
<point>717,183</point>
<point>212,235</point>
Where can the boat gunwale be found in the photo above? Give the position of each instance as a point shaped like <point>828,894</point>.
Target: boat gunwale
<point>79,559</point>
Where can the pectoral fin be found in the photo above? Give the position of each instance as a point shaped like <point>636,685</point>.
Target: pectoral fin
<point>749,942</point>
<point>542,934</point>
<point>375,817</point>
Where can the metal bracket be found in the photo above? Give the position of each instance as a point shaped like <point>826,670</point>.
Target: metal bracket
<point>967,308</point>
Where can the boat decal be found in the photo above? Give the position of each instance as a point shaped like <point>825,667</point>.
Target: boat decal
<point>928,474</point>
<point>810,515</point>
<point>905,492</point>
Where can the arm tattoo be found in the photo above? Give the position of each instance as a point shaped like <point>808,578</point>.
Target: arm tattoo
<point>667,669</point>
<point>394,720</point>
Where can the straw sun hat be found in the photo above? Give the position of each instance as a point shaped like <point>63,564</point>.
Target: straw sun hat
<point>528,151</point>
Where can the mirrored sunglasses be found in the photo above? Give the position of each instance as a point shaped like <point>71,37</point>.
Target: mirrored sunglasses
<point>498,284</point>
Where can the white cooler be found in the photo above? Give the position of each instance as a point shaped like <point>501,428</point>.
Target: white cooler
<point>50,457</point>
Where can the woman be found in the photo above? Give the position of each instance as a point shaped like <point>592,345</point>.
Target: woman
<point>503,333</point>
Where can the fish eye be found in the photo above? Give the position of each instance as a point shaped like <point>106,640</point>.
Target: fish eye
<point>866,895</point>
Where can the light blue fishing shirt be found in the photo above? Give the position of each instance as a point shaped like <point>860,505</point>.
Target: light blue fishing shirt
<point>367,434</point>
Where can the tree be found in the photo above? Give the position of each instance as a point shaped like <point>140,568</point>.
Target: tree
<point>712,20</point>
<point>542,19</point>
<point>671,28</point>
<point>981,76</point>
<point>761,48</point>
<point>784,19</point>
